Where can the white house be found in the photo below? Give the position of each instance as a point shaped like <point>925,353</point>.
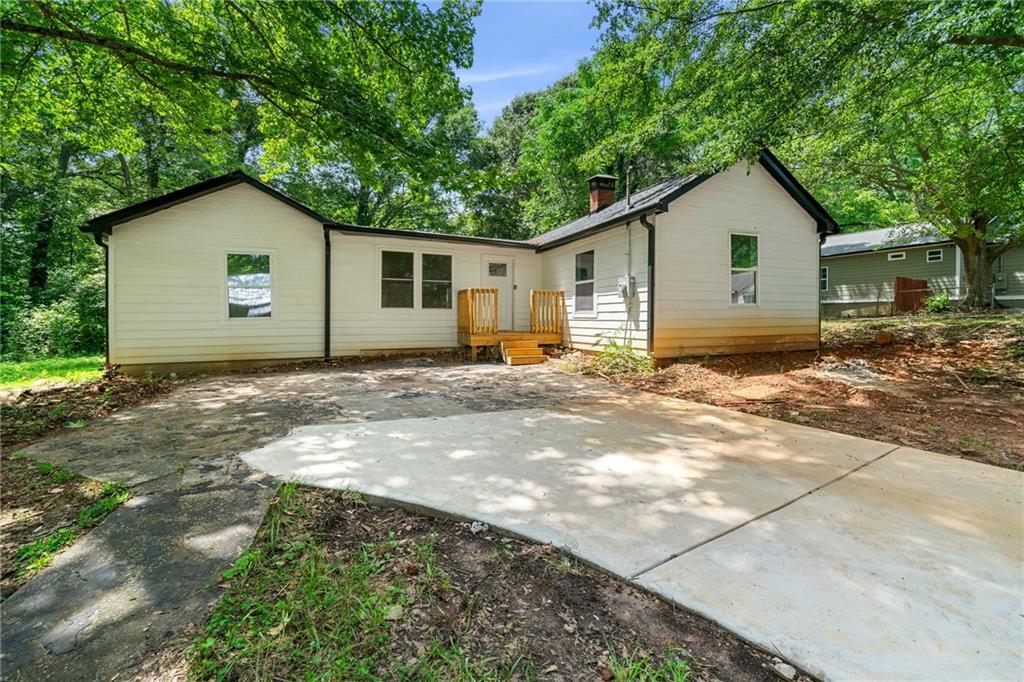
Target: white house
<point>232,270</point>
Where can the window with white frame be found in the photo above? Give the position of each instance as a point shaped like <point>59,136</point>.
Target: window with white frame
<point>934,256</point>
<point>743,269</point>
<point>898,255</point>
<point>397,283</point>
<point>248,285</point>
<point>436,284</point>
<point>584,294</point>
<point>823,279</point>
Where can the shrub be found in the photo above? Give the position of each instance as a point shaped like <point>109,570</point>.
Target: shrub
<point>74,325</point>
<point>619,359</point>
<point>939,303</point>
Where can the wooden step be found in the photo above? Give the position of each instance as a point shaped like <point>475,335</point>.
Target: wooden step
<point>525,359</point>
<point>534,350</point>
<point>518,344</point>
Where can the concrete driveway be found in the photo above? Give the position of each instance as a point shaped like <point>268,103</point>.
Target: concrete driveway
<point>908,567</point>
<point>852,558</point>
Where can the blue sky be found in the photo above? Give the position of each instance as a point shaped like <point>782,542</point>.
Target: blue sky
<point>525,46</point>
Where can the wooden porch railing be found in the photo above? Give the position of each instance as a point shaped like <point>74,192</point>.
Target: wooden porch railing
<point>478,311</point>
<point>547,310</point>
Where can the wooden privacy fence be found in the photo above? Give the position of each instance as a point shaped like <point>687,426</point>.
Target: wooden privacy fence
<point>478,311</point>
<point>547,309</point>
<point>909,294</point>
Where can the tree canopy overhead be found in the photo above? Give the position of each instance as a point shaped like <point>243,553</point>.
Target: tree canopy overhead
<point>363,81</point>
<point>922,101</point>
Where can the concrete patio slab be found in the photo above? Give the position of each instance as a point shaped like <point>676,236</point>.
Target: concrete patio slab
<point>624,484</point>
<point>910,568</point>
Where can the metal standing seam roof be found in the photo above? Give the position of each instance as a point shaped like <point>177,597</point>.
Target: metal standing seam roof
<point>847,243</point>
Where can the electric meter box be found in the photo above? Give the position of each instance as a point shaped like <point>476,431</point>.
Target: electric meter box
<point>627,286</point>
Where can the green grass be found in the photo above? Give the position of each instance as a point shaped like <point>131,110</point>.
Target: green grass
<point>35,556</point>
<point>51,371</point>
<point>295,609</point>
<point>640,667</point>
<point>923,328</point>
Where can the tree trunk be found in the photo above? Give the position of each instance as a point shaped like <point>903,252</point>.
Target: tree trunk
<point>39,259</point>
<point>976,280</point>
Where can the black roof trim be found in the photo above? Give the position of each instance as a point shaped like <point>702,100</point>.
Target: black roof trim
<point>103,224</point>
<point>417,234</point>
<point>826,223</point>
<point>659,207</point>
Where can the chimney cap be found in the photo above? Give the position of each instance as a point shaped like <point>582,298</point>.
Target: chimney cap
<point>599,177</point>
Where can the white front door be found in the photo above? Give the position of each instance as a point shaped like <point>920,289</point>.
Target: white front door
<point>498,275</point>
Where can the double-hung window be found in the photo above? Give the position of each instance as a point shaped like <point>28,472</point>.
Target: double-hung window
<point>743,269</point>
<point>248,285</point>
<point>823,279</point>
<point>584,294</point>
<point>436,287</point>
<point>397,284</point>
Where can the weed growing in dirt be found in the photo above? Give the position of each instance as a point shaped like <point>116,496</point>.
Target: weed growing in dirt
<point>637,666</point>
<point>450,663</point>
<point>112,496</point>
<point>35,556</point>
<point>614,360</point>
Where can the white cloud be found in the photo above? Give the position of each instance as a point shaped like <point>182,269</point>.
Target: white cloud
<point>473,78</point>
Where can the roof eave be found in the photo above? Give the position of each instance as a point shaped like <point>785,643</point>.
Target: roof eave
<point>348,228</point>
<point>104,224</point>
<point>826,224</point>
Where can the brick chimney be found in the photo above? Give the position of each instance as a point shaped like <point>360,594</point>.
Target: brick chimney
<point>602,191</point>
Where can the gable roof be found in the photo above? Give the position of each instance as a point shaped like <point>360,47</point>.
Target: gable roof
<point>102,224</point>
<point>655,198</point>
<point>901,236</point>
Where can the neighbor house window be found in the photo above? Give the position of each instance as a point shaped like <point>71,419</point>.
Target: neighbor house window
<point>248,285</point>
<point>823,280</point>
<point>934,255</point>
<point>396,279</point>
<point>584,297</point>
<point>743,271</point>
<point>436,287</point>
<point>899,255</point>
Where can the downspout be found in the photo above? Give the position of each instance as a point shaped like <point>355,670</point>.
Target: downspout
<point>327,293</point>
<point>97,236</point>
<point>650,283</point>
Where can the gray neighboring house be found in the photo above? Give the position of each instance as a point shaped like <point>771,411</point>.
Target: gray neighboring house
<point>858,270</point>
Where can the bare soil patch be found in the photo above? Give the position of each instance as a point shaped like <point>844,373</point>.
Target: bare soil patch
<point>956,388</point>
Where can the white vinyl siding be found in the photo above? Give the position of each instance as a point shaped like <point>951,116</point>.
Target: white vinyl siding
<point>693,313</point>
<point>583,292</point>
<point>613,318</point>
<point>169,294</point>
<point>360,325</point>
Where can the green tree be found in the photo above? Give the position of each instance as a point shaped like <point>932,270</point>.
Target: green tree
<point>916,99</point>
